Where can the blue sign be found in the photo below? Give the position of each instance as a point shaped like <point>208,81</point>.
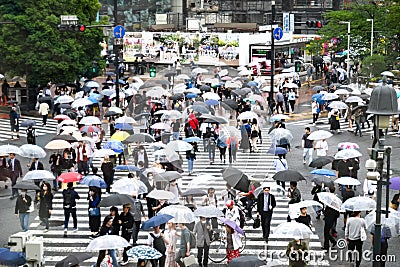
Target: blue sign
<point>119,31</point>
<point>278,33</point>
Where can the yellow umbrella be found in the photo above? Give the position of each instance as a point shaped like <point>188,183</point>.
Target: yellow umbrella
<point>120,136</point>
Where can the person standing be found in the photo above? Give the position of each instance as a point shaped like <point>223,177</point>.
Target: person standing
<point>202,232</point>
<point>137,212</point>
<point>22,206</point>
<point>172,236</point>
<point>108,172</point>
<point>184,249</point>
<point>221,143</point>
<point>44,111</point>
<point>191,156</point>
<point>93,209</point>
<point>126,222</point>
<point>45,198</point>
<point>14,122</point>
<point>265,206</point>
<point>321,146</point>
<point>308,146</point>
<point>14,165</point>
<point>82,158</point>
<point>69,204</point>
<point>158,241</point>
<point>354,236</point>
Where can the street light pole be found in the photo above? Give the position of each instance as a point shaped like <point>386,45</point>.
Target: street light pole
<point>372,35</point>
<point>348,47</point>
<point>271,92</point>
<point>116,53</point>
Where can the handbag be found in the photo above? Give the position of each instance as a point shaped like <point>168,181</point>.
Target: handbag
<point>190,260</point>
<point>31,208</point>
<point>257,223</point>
<point>94,211</point>
<point>363,234</point>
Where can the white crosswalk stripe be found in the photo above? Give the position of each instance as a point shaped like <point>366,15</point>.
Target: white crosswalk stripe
<point>57,247</point>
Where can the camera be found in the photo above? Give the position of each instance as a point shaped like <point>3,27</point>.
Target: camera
<point>370,165</point>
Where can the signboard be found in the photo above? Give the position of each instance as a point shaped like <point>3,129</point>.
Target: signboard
<point>286,22</point>
<point>278,33</point>
<point>265,28</point>
<point>291,27</point>
<point>119,31</point>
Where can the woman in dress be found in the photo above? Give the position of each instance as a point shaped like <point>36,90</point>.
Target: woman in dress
<point>172,236</point>
<point>45,199</point>
<point>233,244</point>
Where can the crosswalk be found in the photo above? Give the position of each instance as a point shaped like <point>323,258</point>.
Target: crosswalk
<point>259,165</point>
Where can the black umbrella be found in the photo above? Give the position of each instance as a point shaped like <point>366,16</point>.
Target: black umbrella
<point>230,102</point>
<point>140,138</point>
<point>74,259</point>
<point>215,120</point>
<point>205,88</point>
<point>363,108</point>
<point>322,179</point>
<point>167,176</point>
<point>66,137</point>
<point>162,82</point>
<point>177,96</point>
<point>27,123</point>
<point>236,178</point>
<point>200,109</point>
<point>44,99</point>
<point>26,186</point>
<point>321,161</point>
<point>141,116</point>
<point>247,261</point>
<point>64,106</point>
<point>116,200</point>
<point>70,113</point>
<point>110,113</point>
<point>225,106</point>
<point>194,192</point>
<point>288,176</point>
<point>170,74</point>
<point>138,55</point>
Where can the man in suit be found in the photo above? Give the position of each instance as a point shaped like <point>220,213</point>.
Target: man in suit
<point>265,206</point>
<point>36,165</point>
<point>14,165</point>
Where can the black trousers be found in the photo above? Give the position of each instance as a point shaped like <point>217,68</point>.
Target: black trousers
<point>160,261</point>
<point>136,228</point>
<point>329,222</point>
<point>200,251</point>
<point>266,217</point>
<point>355,245</point>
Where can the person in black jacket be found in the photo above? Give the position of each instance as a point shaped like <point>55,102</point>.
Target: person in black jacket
<point>45,198</point>
<point>107,229</point>
<point>36,165</point>
<point>56,162</point>
<point>330,217</point>
<point>126,222</point>
<point>107,168</point>
<point>265,206</point>
<point>14,166</point>
<point>22,205</point>
<point>69,204</point>
<point>14,122</point>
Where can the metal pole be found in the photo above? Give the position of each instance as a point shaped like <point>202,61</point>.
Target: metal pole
<point>372,35</point>
<point>348,50</point>
<point>271,92</point>
<point>388,152</point>
<point>116,53</point>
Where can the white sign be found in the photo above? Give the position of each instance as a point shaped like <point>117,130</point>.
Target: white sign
<point>266,28</point>
<point>286,22</point>
<point>291,28</point>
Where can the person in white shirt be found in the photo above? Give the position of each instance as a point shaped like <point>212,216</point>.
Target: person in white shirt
<point>232,212</point>
<point>280,164</point>
<point>321,146</point>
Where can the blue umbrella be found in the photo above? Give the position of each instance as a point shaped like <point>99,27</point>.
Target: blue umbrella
<point>114,145</point>
<point>123,126</point>
<point>252,83</point>
<point>9,258</point>
<point>191,95</point>
<point>27,123</point>
<point>129,168</point>
<point>156,221</point>
<point>277,150</point>
<point>93,180</point>
<point>212,102</point>
<point>144,253</point>
<point>316,97</point>
<point>120,81</point>
<point>192,139</point>
<point>325,172</point>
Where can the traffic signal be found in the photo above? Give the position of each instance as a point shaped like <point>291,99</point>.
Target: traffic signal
<point>297,66</point>
<point>314,24</point>
<point>95,66</point>
<point>153,72</point>
<point>72,27</point>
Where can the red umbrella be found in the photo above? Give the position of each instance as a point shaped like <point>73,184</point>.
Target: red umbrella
<point>90,129</point>
<point>67,177</point>
<point>62,117</point>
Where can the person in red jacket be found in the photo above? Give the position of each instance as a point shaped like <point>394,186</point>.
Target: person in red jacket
<point>194,123</point>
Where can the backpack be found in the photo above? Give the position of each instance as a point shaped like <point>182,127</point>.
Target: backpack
<point>242,218</point>
<point>158,243</point>
<point>192,240</point>
<point>68,199</point>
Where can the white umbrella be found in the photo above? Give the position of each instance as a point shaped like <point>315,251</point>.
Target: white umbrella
<point>107,242</point>
<point>32,151</point>
<point>58,144</point>
<point>210,95</point>
<point>90,120</point>
<point>230,84</point>
<point>319,135</point>
<point>104,152</point>
<point>245,72</point>
<point>193,90</point>
<point>161,194</point>
<point>338,105</point>
<point>125,119</point>
<point>196,71</point>
<point>68,129</point>
<point>10,149</point>
<point>181,213</point>
<point>347,181</point>
<point>355,92</point>
<point>116,110</point>
<point>182,77</point>
<point>65,99</point>
<point>290,86</point>
<point>156,92</point>
<point>347,154</point>
<point>280,133</point>
<point>130,91</point>
<point>279,117</point>
<point>202,181</point>
<point>129,186</point>
<point>293,230</point>
<point>160,125</point>
<point>67,122</point>
<point>208,212</point>
<point>38,175</point>
<point>247,115</point>
<point>387,73</point>
<point>342,92</point>
<point>353,99</point>
<point>173,114</point>
<point>393,221</point>
<point>178,145</point>
<point>223,72</point>
<point>329,96</point>
<point>81,102</point>
<point>359,204</point>
<point>330,200</point>
<point>108,92</point>
<point>311,205</point>
<point>92,84</point>
<point>274,188</point>
<point>232,131</point>
<point>114,95</point>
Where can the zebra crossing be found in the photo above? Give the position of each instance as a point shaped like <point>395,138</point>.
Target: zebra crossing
<point>258,165</point>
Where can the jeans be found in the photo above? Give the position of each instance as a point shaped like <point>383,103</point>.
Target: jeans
<point>190,165</point>
<point>175,135</point>
<point>67,213</point>
<point>358,129</point>
<point>307,152</point>
<point>24,220</point>
<point>113,255</point>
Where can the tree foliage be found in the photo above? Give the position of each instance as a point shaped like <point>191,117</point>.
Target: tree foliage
<point>33,46</point>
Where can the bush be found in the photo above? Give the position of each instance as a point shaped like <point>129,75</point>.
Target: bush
<point>374,65</point>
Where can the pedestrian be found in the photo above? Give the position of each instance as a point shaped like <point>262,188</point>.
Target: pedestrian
<point>137,212</point>
<point>310,70</point>
<point>233,145</point>
<point>357,119</point>
<point>94,198</point>
<point>202,232</point>
<point>190,202</point>
<point>22,206</point>
<point>233,244</point>
<point>172,236</point>
<point>280,164</point>
<point>254,135</point>
<point>279,100</point>
<point>191,156</point>
<point>115,215</point>
<point>107,167</point>
<point>292,99</point>
<point>304,218</point>
<point>247,199</point>
<point>159,242</point>
<point>211,198</point>
<point>211,145</point>
<point>45,199</point>
<point>56,162</point>
<point>175,126</point>
<point>184,248</point>
<point>265,206</point>
<point>14,165</point>
<point>334,121</point>
<point>385,235</point>
<point>82,158</point>
<point>14,122</point>
<point>69,204</point>
<point>315,110</point>
<point>321,146</point>
<point>31,135</point>
<point>174,189</point>
<point>296,251</point>
<point>107,229</point>
<point>228,193</point>
<point>139,153</point>
<point>330,217</point>
<point>232,212</point>
<point>44,112</point>
<point>126,221</point>
<point>347,194</point>
<point>355,235</point>
<point>294,193</point>
<point>36,165</point>
<point>308,146</point>
<point>4,90</point>
<point>314,191</point>
<point>221,143</point>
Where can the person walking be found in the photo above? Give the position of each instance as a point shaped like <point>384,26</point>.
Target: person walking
<point>315,110</point>
<point>22,206</point>
<point>36,165</point>
<point>107,229</point>
<point>233,145</point>
<point>254,136</point>
<point>355,234</point>
<point>357,119</point>
<point>385,235</point>
<point>221,143</point>
<point>44,112</point>
<point>211,144</point>
<point>202,233</point>
<point>330,217</point>
<point>265,206</point>
<point>172,236</point>
<point>292,99</point>
<point>137,212</point>
<point>321,146</point>
<point>296,250</point>
<point>94,198</point>
<point>184,248</point>
<point>159,242</point>
<point>280,164</point>
<point>175,127</point>
<point>126,221</point>
<point>69,204</point>
<point>233,244</point>
<point>174,189</point>
<point>294,193</point>
<point>4,90</point>
<point>107,167</point>
<point>191,156</point>
<point>45,199</point>
<point>14,165</point>
<point>31,135</point>
<point>308,146</point>
<point>56,162</point>
<point>14,122</point>
<point>279,100</point>
<point>82,158</point>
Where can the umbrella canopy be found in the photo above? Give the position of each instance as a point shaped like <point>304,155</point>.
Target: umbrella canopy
<point>277,150</point>
<point>65,99</point>
<point>231,103</point>
<point>9,258</point>
<point>321,161</point>
<point>116,200</point>
<point>210,95</point>
<point>125,119</point>
<point>73,259</point>
<point>32,151</point>
<point>67,177</point>
<point>232,131</point>
<point>114,145</point>
<point>107,242</point>
<point>58,144</point>
<point>318,88</point>
<point>200,109</point>
<point>319,135</point>
<point>161,194</point>
<point>280,133</point>
<point>167,176</point>
<point>347,154</point>
<point>288,176</point>
<point>279,117</point>
<point>156,92</point>
<point>330,200</point>
<point>26,186</point>
<point>247,115</point>
<point>10,149</point>
<point>208,212</point>
<point>274,188</point>
<point>353,99</point>
<point>387,73</point>
<point>216,119</point>
<point>290,85</point>
<point>28,123</point>
<point>120,136</point>
<point>347,181</point>
<point>392,221</point>
<point>395,183</point>
<point>160,126</point>
<point>348,145</point>
<point>232,224</point>
<point>123,126</point>
<point>311,205</point>
<point>181,213</point>
<point>236,178</point>
<point>101,153</point>
<point>293,230</point>
<point>322,180</point>
<point>194,192</point>
<point>38,175</point>
<point>92,84</point>
<point>212,102</point>
<point>247,261</point>
<point>140,138</point>
<point>325,172</point>
<point>192,139</point>
<point>144,253</point>
<point>93,180</point>
<point>90,120</point>
<point>329,96</point>
<point>126,168</point>
<point>156,221</point>
<point>129,186</point>
<point>61,117</point>
<point>90,129</point>
<point>178,145</point>
<point>338,105</point>
<point>359,204</point>
<point>81,102</point>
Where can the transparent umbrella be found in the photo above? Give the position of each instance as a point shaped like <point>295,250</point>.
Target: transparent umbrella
<point>359,204</point>
<point>280,133</point>
<point>208,212</point>
<point>293,230</point>
<point>347,154</point>
<point>32,151</point>
<point>38,175</point>
<point>181,213</point>
<point>161,194</point>
<point>329,199</point>
<point>129,186</point>
<point>393,221</point>
<point>7,149</point>
<point>319,135</point>
<point>311,205</point>
<point>107,242</point>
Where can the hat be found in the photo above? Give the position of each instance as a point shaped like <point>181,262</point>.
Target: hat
<point>229,203</point>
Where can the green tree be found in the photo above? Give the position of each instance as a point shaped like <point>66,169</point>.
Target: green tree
<point>373,65</point>
<point>33,46</point>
